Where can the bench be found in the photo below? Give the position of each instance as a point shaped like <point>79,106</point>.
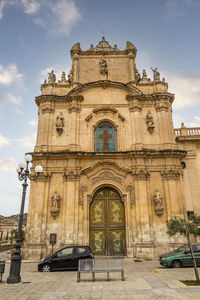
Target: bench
<point>100,266</point>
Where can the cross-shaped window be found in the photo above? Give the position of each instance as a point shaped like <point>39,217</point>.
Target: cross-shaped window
<point>105,138</point>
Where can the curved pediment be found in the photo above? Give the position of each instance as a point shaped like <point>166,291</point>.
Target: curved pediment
<point>106,165</point>
<point>105,84</point>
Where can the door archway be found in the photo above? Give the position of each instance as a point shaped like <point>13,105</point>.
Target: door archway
<point>107,223</point>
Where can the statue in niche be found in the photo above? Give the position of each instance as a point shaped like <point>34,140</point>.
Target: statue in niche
<point>156,74</point>
<point>103,67</point>
<point>158,206</point>
<point>52,77</point>
<point>59,123</point>
<point>55,204</point>
<point>150,122</point>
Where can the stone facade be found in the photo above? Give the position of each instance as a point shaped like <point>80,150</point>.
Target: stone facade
<point>107,128</point>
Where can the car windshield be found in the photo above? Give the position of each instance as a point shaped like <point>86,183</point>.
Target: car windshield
<point>181,248</point>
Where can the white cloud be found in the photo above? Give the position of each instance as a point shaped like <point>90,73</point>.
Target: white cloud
<point>186,89</point>
<point>13,99</point>
<point>4,141</point>
<point>195,123</point>
<point>2,5</point>
<point>8,165</point>
<point>30,6</point>
<point>56,16</point>
<point>33,123</point>
<point>65,15</point>
<point>9,74</point>
<point>28,141</point>
<point>46,71</point>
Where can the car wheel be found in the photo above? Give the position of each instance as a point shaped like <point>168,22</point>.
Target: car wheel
<point>46,268</point>
<point>176,264</point>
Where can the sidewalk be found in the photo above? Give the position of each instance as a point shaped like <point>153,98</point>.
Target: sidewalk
<point>144,280</point>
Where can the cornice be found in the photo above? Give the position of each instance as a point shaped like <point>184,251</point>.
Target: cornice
<point>104,84</point>
<point>145,153</point>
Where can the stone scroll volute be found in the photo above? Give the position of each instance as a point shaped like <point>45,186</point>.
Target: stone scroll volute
<point>55,204</point>
<point>158,204</point>
<point>130,189</point>
<point>83,189</point>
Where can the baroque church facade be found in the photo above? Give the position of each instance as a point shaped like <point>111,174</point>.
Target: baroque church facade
<point>115,169</point>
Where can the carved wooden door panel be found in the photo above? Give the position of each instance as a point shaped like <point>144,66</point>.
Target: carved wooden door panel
<point>107,223</point>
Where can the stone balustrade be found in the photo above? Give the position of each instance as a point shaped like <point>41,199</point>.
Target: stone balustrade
<point>183,131</point>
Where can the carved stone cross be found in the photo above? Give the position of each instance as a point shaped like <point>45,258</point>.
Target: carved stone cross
<point>105,136</point>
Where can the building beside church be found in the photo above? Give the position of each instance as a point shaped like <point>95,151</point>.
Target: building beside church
<point>115,169</point>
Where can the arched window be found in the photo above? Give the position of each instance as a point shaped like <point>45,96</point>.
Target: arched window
<point>105,138</point>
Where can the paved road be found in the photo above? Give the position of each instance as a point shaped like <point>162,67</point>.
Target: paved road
<point>144,280</point>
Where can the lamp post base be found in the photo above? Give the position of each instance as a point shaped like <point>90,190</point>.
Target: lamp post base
<point>14,276</point>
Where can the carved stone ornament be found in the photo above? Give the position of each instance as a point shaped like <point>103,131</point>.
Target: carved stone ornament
<point>72,175</point>
<point>51,78</point>
<point>131,190</point>
<point>171,174</point>
<point>144,76</point>
<point>63,79</point>
<point>141,174</point>
<point>55,204</point>
<point>59,123</point>
<point>83,189</point>
<point>156,74</point>
<point>158,206</point>
<point>162,105</point>
<point>106,175</point>
<point>74,103</point>
<point>137,75</point>
<point>150,122</point>
<point>45,176</point>
<point>47,108</point>
<point>135,105</point>
<point>71,75</point>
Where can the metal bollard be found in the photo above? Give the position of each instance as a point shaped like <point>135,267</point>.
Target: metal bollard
<point>2,269</point>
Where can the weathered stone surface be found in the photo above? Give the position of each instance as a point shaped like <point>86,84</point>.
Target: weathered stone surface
<point>105,86</point>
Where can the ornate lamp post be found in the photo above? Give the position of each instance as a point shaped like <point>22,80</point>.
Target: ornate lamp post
<point>23,175</point>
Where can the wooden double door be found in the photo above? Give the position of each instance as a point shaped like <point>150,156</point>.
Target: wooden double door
<point>107,223</point>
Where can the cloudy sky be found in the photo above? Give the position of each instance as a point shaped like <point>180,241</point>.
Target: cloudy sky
<point>37,35</point>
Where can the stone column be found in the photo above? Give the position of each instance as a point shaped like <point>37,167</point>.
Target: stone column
<point>74,108</point>
<point>175,203</point>
<point>82,207</point>
<point>36,242</point>
<point>144,243</point>
<point>136,124</point>
<point>46,112</point>
<point>72,178</point>
<point>163,108</point>
<point>131,218</point>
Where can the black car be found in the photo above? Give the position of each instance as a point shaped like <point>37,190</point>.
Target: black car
<point>64,259</point>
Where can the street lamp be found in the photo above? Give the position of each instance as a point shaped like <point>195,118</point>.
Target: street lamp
<point>23,174</point>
